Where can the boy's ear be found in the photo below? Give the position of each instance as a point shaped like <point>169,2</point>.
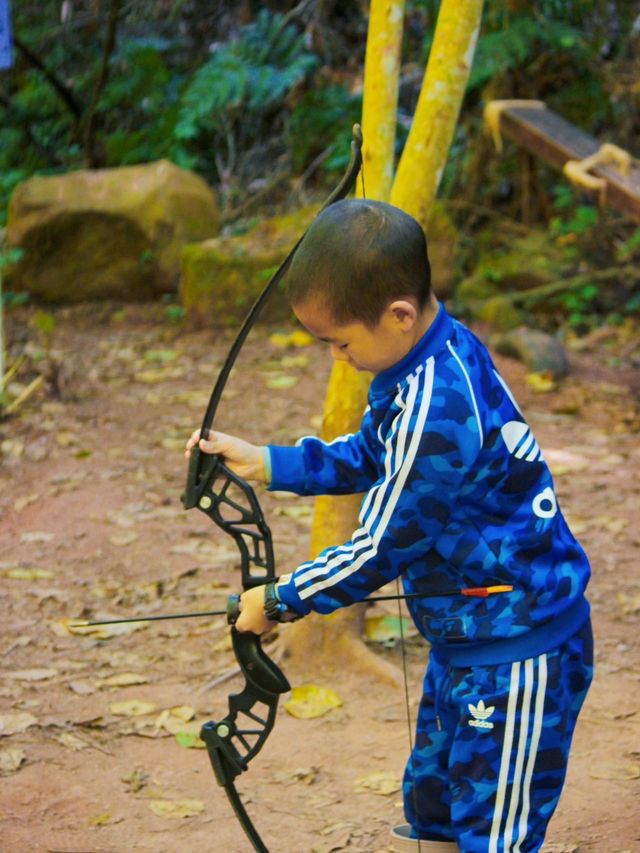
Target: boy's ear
<point>404,312</point>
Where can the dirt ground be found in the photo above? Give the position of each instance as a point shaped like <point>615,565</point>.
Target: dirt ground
<point>91,525</point>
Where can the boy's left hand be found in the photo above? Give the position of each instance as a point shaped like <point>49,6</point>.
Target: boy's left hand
<point>252,617</point>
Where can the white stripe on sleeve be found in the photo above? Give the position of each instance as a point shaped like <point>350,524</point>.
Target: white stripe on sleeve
<point>382,507</point>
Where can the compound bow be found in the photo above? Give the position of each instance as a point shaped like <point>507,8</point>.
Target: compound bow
<point>234,741</point>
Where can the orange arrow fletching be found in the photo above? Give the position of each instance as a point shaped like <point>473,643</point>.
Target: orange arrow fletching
<point>485,591</point>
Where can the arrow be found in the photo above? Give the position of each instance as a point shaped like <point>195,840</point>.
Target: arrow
<point>84,623</point>
<point>472,592</point>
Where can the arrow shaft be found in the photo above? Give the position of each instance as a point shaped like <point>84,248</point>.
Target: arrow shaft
<point>473,592</point>
<point>81,623</point>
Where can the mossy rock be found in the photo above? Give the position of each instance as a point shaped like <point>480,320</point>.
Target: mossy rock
<point>500,313</point>
<point>107,233</point>
<point>531,261</point>
<point>222,277</point>
<point>540,352</point>
<point>442,239</point>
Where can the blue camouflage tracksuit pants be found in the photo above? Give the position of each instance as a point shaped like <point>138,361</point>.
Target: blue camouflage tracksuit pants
<point>491,749</point>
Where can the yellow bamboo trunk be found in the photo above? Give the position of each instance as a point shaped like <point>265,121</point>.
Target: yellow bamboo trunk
<point>380,97</point>
<point>336,518</point>
<point>425,153</point>
<point>337,638</point>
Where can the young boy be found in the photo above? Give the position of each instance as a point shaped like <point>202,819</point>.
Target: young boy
<point>457,495</point>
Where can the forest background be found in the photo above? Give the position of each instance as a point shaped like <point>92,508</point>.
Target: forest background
<point>259,100</point>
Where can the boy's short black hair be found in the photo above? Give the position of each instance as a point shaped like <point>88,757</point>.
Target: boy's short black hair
<point>358,256</point>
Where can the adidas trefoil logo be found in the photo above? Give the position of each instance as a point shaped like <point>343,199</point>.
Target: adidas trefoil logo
<point>480,715</point>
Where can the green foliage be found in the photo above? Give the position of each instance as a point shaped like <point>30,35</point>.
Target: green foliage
<point>242,82</point>
<point>578,221</point>
<point>522,41</point>
<point>140,103</point>
<point>174,313</point>
<point>9,257</point>
<point>321,121</point>
<point>579,304</point>
<point>630,248</point>
<point>45,323</point>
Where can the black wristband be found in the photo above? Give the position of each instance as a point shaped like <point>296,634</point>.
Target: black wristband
<point>276,610</point>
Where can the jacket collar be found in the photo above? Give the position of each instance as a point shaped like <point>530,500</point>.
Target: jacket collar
<point>429,344</point>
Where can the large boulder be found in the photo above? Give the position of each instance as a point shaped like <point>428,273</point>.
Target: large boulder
<point>442,238</point>
<point>107,233</point>
<point>222,277</point>
<point>525,262</point>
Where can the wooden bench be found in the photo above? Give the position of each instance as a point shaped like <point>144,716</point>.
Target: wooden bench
<point>605,170</point>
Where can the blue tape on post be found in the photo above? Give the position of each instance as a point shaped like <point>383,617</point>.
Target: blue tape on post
<point>6,54</point>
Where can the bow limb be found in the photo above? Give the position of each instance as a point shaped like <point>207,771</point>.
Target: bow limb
<point>234,741</point>
<point>231,503</point>
<point>198,468</point>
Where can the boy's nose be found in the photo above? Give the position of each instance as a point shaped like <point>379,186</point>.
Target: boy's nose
<point>338,354</point>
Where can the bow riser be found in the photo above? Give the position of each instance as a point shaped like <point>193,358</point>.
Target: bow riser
<point>231,744</point>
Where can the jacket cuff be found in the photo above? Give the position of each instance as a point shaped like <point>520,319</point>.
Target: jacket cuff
<point>288,593</point>
<point>287,469</point>
<point>266,461</point>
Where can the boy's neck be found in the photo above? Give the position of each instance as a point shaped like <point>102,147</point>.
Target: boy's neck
<point>426,318</point>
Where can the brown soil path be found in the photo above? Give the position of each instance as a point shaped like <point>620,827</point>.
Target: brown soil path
<point>91,524</point>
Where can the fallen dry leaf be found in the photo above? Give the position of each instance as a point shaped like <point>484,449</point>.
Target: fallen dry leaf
<point>132,708</point>
<point>103,819</point>
<point>620,772</point>
<point>382,782</point>
<point>124,679</point>
<point>310,701</point>
<point>81,688</point>
<point>190,740</point>
<point>11,760</point>
<point>541,383</point>
<point>11,724</point>
<point>71,741</point>
<point>21,503</point>
<point>75,627</point>
<point>26,573</point>
<point>294,339</point>
<point>307,775</point>
<point>176,808</point>
<point>387,628</point>
<point>136,780</point>
<point>281,382</point>
<point>121,540</point>
<point>32,674</point>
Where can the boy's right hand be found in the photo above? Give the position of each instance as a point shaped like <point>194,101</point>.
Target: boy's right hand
<point>244,459</point>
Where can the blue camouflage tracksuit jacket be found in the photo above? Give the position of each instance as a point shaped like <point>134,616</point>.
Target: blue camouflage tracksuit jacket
<point>457,494</point>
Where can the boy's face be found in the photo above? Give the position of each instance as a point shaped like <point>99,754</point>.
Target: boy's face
<point>363,347</point>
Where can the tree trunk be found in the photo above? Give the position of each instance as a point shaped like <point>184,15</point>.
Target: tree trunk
<point>94,160</point>
<point>425,153</point>
<point>318,642</point>
<point>322,643</point>
<point>380,97</point>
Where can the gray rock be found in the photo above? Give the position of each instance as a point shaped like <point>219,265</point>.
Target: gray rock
<point>541,352</point>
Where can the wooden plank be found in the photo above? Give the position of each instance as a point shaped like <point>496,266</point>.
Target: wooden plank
<point>549,137</point>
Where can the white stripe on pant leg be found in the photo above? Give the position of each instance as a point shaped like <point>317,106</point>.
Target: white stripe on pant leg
<point>521,753</point>
<point>505,760</point>
<point>538,719</point>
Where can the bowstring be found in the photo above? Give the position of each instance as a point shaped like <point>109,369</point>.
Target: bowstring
<point>404,655</point>
<point>407,708</point>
